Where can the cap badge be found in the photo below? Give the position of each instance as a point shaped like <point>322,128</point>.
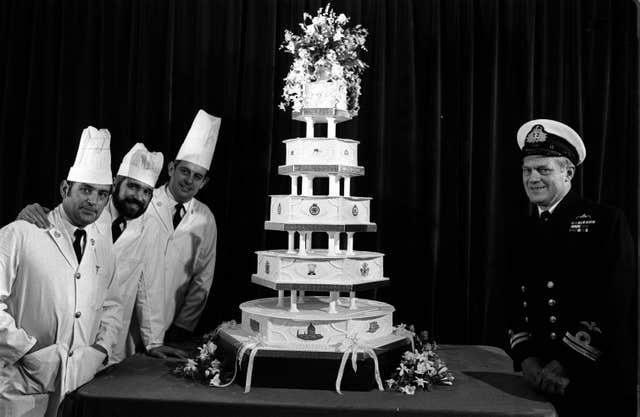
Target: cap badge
<point>536,135</point>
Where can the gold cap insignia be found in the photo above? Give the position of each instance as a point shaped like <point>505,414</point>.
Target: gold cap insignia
<point>536,135</point>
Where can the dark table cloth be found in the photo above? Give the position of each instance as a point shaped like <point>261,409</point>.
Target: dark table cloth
<point>143,386</point>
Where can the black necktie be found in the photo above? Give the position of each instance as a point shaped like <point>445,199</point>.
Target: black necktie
<point>177,215</point>
<point>78,243</point>
<point>545,216</point>
<point>117,227</point>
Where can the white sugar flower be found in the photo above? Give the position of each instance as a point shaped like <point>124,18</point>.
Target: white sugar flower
<point>191,366</point>
<point>342,19</point>
<point>311,29</point>
<point>211,347</point>
<point>421,368</point>
<point>420,382</point>
<point>408,389</point>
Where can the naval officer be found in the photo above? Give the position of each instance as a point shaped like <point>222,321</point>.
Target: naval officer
<point>572,312</point>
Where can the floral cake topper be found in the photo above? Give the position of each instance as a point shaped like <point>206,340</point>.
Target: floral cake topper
<point>326,50</point>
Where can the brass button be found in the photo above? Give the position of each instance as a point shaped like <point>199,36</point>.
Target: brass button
<point>78,314</point>
<point>524,304</point>
<point>552,302</point>
<point>526,319</point>
<point>523,288</point>
<point>550,284</point>
<point>553,319</point>
<point>553,336</point>
<point>77,275</point>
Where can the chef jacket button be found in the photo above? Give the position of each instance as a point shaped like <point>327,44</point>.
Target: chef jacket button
<point>70,353</point>
<point>78,314</point>
<point>553,319</point>
<point>550,284</point>
<point>523,288</point>
<point>76,275</point>
<point>553,336</point>
<point>551,302</point>
<point>524,304</point>
<point>526,319</point>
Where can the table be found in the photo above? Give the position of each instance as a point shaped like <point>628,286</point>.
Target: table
<point>143,386</point>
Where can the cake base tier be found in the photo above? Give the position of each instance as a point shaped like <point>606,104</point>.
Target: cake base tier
<point>290,368</point>
<point>313,227</point>
<point>320,170</point>
<point>312,327</point>
<point>319,115</point>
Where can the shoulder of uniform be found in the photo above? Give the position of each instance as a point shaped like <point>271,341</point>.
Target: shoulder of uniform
<point>202,208</point>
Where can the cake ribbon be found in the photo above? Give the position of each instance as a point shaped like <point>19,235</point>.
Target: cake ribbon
<point>352,351</point>
<point>401,330</point>
<point>253,344</point>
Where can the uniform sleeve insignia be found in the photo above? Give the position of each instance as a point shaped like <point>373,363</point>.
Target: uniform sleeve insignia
<point>536,135</point>
<point>581,223</point>
<point>517,338</point>
<point>582,340</point>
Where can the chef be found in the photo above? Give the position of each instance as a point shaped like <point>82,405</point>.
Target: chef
<point>60,310</point>
<point>190,229</point>
<point>139,253</point>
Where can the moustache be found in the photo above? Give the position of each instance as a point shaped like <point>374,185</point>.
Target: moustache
<point>132,200</point>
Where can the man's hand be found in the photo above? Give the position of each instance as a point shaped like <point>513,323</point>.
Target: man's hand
<point>531,370</point>
<point>164,352</point>
<point>35,214</point>
<point>553,379</point>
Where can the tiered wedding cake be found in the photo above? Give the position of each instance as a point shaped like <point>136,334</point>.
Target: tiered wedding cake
<point>319,323</point>
<point>309,318</point>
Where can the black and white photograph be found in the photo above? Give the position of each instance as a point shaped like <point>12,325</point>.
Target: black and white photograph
<point>358,208</point>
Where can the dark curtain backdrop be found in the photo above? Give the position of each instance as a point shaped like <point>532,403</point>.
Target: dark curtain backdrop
<point>449,83</point>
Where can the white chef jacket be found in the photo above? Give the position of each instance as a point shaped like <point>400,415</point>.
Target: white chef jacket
<point>190,258</point>
<point>139,262</point>
<point>48,299</point>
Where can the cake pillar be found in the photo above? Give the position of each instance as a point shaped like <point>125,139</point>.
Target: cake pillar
<point>349,243</point>
<point>291,240</point>
<point>352,300</point>
<point>301,244</point>
<point>308,241</point>
<point>347,186</point>
<point>309,122</point>
<point>301,297</point>
<point>294,184</point>
<point>294,302</point>
<point>334,185</point>
<point>336,240</point>
<point>307,185</point>
<point>331,127</point>
<point>280,298</point>
<point>333,301</point>
<point>331,247</point>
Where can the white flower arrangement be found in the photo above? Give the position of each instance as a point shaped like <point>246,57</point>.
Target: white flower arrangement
<point>420,368</point>
<point>204,366</point>
<point>326,50</point>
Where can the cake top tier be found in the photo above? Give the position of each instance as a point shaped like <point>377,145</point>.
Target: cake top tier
<point>326,51</point>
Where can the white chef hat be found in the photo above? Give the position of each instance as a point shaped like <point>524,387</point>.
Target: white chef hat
<point>142,165</point>
<point>551,138</point>
<point>93,160</point>
<point>201,140</point>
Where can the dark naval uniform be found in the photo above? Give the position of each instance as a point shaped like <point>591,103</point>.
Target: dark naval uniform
<point>573,301</point>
